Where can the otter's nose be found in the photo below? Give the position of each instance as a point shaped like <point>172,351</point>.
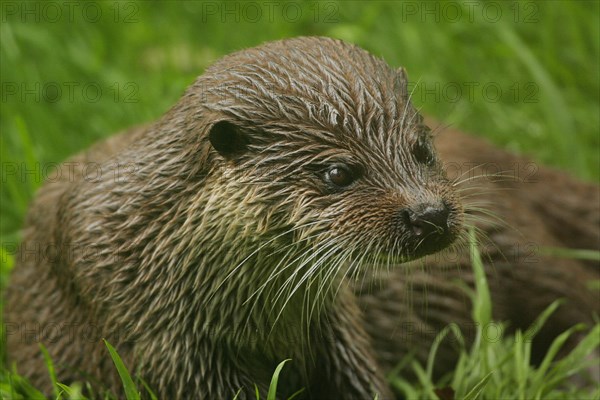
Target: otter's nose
<point>429,220</point>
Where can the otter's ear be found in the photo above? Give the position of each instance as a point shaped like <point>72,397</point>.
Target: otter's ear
<point>401,82</point>
<point>227,139</point>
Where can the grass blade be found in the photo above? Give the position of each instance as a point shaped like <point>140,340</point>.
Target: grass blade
<point>51,371</point>
<point>73,391</point>
<point>477,389</point>
<point>273,386</point>
<point>577,254</point>
<point>131,392</point>
<point>482,302</point>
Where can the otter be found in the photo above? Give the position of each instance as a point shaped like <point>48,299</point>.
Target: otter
<point>281,170</point>
<point>232,233</point>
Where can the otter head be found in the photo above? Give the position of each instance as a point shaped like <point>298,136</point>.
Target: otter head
<point>317,139</point>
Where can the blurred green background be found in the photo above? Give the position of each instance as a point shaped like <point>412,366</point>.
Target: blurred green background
<point>524,74</point>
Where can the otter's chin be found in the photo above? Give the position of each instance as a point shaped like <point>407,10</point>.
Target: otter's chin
<point>422,247</point>
<point>417,249</point>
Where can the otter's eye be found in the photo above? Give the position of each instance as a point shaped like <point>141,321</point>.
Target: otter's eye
<point>339,176</point>
<point>424,154</point>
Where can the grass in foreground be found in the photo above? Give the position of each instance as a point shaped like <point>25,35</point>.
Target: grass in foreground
<point>486,370</point>
<point>501,369</point>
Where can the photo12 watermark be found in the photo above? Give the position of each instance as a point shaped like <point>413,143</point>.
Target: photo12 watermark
<point>69,91</point>
<point>469,11</point>
<point>69,171</point>
<point>489,92</point>
<point>70,11</point>
<point>270,11</point>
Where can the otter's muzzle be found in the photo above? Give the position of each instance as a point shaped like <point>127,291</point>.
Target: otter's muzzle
<point>428,220</point>
<point>427,228</point>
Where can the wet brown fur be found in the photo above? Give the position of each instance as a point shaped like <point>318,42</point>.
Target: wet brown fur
<point>177,254</point>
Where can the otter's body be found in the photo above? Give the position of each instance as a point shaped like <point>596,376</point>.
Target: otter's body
<point>217,242</point>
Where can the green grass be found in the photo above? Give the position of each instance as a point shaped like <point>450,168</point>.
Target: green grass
<point>501,368</point>
<point>543,56</point>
